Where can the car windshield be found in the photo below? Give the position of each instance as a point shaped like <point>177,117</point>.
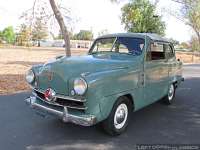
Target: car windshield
<point>128,45</point>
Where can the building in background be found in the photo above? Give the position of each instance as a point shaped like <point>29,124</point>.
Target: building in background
<point>80,44</point>
<point>61,43</point>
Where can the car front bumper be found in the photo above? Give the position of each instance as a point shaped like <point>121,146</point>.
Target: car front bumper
<point>84,120</point>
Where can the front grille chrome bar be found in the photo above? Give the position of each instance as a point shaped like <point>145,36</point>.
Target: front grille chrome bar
<point>56,104</point>
<point>61,96</point>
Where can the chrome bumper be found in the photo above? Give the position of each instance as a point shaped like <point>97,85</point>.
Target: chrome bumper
<point>86,120</point>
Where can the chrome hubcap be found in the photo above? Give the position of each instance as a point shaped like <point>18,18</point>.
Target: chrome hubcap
<point>120,116</point>
<point>171,92</point>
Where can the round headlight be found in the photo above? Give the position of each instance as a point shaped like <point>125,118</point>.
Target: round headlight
<point>80,86</point>
<point>30,76</point>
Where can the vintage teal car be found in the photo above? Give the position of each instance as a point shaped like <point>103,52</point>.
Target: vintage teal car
<point>121,73</point>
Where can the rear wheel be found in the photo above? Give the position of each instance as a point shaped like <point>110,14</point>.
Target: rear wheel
<point>169,98</point>
<point>117,121</point>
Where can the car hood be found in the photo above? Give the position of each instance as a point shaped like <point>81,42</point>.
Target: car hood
<point>57,73</point>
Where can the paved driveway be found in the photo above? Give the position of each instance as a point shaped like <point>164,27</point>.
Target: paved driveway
<point>179,123</point>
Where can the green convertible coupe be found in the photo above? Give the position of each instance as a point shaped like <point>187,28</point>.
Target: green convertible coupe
<point>121,73</point>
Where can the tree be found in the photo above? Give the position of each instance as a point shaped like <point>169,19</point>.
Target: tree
<point>23,36</point>
<point>63,28</point>
<point>60,35</point>
<point>1,36</point>
<point>189,13</point>
<point>194,44</point>
<point>40,30</point>
<point>9,35</point>
<point>139,16</point>
<point>184,45</point>
<point>41,9</point>
<point>103,32</point>
<point>84,35</point>
<point>175,42</point>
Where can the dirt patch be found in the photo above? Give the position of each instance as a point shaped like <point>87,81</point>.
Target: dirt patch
<point>188,57</point>
<point>11,83</point>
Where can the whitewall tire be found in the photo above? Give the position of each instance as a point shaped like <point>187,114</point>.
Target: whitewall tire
<point>117,121</point>
<point>169,98</point>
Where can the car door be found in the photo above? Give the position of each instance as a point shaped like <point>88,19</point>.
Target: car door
<point>156,72</point>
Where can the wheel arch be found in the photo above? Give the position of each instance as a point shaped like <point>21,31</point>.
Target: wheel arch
<point>176,81</point>
<point>107,104</point>
<point>130,97</point>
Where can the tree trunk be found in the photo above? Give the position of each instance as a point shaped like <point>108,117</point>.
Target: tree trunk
<point>198,36</point>
<point>193,57</point>
<point>63,28</point>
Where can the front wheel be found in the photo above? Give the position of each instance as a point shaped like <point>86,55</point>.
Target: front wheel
<point>117,121</point>
<point>168,99</point>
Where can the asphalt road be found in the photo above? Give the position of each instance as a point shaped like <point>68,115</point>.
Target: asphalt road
<point>179,123</point>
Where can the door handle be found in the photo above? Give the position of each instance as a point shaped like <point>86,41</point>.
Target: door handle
<point>141,79</point>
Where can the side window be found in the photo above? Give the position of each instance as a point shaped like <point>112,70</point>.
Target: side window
<point>169,51</point>
<point>156,52</point>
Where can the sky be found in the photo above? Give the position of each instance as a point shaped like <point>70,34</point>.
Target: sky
<point>95,15</point>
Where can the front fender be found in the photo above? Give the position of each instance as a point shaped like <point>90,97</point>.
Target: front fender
<point>112,82</point>
<point>106,103</point>
<point>36,68</point>
<point>104,88</point>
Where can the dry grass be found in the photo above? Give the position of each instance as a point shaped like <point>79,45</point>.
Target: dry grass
<point>15,61</point>
<point>188,57</point>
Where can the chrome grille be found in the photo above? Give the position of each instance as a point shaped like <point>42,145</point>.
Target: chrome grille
<point>64,101</point>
